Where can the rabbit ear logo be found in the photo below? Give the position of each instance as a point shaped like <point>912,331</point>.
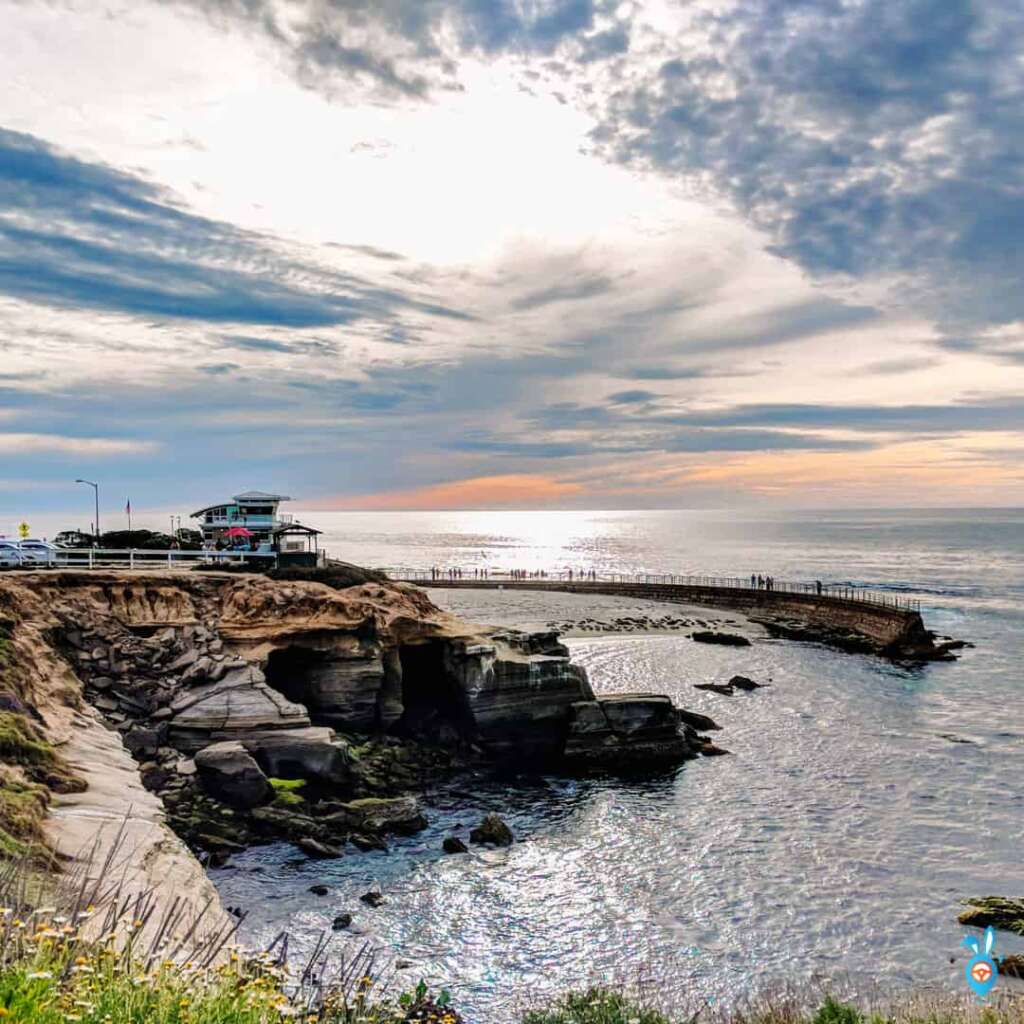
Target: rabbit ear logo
<point>981,971</point>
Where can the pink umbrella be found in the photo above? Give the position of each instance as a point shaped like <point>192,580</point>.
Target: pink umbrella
<point>238,531</point>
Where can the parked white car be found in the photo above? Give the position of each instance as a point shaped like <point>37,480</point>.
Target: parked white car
<point>11,555</point>
<point>41,551</point>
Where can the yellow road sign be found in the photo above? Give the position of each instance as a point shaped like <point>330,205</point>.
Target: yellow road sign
<point>24,530</point>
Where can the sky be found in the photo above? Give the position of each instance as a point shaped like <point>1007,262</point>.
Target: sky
<point>511,253</point>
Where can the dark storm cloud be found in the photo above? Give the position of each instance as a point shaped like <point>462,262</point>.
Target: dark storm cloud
<point>867,138</point>
<point>80,235</point>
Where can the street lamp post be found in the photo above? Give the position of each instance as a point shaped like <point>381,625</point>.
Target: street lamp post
<point>96,496</point>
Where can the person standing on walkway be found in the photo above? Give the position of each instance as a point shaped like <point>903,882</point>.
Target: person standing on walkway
<point>753,581</point>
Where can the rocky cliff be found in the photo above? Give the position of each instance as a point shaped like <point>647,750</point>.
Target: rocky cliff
<point>258,708</point>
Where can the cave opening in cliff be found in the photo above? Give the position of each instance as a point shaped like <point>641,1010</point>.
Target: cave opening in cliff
<point>290,671</point>
<point>435,706</point>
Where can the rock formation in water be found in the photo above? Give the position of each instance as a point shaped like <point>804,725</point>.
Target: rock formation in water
<point>260,708</point>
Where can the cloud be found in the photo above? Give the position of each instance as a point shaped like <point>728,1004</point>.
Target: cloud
<point>409,49</point>
<point>870,140</point>
<point>33,444</point>
<point>892,367</point>
<point>571,291</point>
<point>503,491</point>
<point>80,235</point>
<point>632,397</point>
<point>983,414</point>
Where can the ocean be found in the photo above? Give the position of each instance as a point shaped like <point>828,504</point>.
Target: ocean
<point>861,801</point>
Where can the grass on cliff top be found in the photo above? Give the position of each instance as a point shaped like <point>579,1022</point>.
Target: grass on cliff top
<point>30,771</point>
<point>30,768</point>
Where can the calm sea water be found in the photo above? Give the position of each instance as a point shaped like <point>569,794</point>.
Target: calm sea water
<point>862,800</point>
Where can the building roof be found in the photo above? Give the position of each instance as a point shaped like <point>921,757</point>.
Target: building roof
<point>297,528</point>
<point>247,496</point>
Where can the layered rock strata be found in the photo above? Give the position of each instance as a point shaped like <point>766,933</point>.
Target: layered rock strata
<point>226,688</point>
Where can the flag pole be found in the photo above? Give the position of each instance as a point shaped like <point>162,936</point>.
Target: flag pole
<point>128,509</point>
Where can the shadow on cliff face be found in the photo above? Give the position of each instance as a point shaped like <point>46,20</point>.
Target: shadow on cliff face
<point>435,706</point>
<point>409,691</point>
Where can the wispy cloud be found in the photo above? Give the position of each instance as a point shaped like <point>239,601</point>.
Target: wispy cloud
<point>81,235</point>
<point>103,447</point>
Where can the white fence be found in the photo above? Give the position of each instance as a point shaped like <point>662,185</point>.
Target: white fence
<point>142,558</point>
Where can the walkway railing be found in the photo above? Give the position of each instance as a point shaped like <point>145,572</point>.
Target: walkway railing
<point>448,576</point>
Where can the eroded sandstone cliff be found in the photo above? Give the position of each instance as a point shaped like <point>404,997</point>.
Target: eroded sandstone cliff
<point>258,708</point>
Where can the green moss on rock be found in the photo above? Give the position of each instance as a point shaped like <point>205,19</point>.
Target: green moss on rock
<point>997,911</point>
<point>286,792</point>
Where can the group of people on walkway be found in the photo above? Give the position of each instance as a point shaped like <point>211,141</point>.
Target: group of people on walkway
<point>445,574</point>
<point>513,574</point>
<point>759,582</point>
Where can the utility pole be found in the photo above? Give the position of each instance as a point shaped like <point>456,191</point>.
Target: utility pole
<point>96,496</point>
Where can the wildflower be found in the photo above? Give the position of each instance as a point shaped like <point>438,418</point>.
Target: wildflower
<point>36,975</point>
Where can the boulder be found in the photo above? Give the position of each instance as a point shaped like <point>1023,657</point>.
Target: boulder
<point>743,683</point>
<point>710,750</point>
<point>515,701</point>
<point>314,848</point>
<point>277,821</point>
<point>341,922</point>
<point>625,731</point>
<point>373,898</point>
<point>396,816</point>
<point>723,688</point>
<point>725,639</point>
<point>367,843</point>
<point>697,721</point>
<point>229,774</point>
<point>145,742</point>
<point>319,890</point>
<point>492,830</point>
<point>453,844</point>
<point>310,753</point>
<point>234,707</point>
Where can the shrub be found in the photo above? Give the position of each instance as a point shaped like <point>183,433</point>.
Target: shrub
<point>595,1006</point>
<point>834,1012</point>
